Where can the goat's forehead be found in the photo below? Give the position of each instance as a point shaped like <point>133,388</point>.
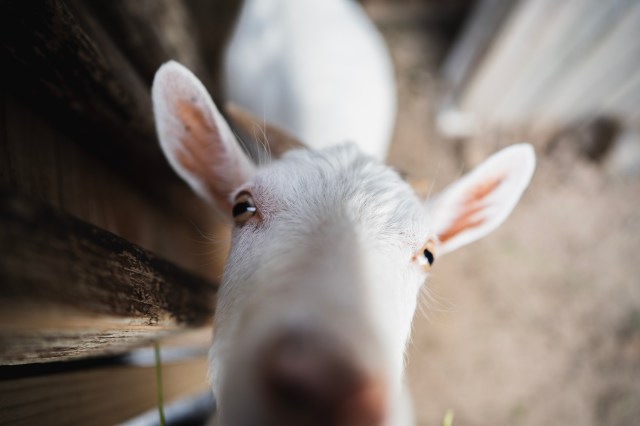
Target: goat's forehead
<point>337,172</point>
<point>337,178</point>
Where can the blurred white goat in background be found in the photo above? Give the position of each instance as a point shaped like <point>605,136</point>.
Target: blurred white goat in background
<point>318,69</point>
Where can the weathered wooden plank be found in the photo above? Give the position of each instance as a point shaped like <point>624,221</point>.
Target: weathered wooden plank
<point>544,55</point>
<point>554,63</point>
<point>193,410</point>
<point>511,52</point>
<point>477,36</point>
<point>608,68</point>
<point>63,63</point>
<point>563,57</point>
<point>68,73</point>
<point>43,163</point>
<point>58,59</point>
<point>95,393</point>
<point>150,32</point>
<point>70,289</point>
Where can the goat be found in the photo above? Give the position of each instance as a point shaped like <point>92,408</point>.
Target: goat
<point>318,69</point>
<point>329,247</point>
<point>329,250</point>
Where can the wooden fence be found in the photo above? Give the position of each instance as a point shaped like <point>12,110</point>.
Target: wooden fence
<point>102,249</point>
<point>547,63</point>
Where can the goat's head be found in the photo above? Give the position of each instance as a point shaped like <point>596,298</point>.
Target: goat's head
<point>329,251</point>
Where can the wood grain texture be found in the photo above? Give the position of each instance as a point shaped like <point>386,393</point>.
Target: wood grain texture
<point>70,80</point>
<point>69,289</point>
<point>63,62</point>
<point>151,32</point>
<point>96,394</point>
<point>59,60</point>
<point>43,163</point>
<point>93,81</point>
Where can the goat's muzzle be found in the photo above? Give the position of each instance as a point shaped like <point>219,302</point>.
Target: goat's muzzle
<point>306,381</point>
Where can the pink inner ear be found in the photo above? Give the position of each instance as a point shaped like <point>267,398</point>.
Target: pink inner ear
<point>201,148</point>
<point>472,204</point>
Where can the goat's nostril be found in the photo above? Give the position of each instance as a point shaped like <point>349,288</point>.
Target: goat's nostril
<point>298,377</point>
<point>306,383</point>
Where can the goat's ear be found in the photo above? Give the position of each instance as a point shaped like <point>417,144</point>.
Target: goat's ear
<point>195,137</point>
<point>480,201</point>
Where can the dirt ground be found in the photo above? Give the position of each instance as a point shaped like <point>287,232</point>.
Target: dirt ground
<point>539,323</point>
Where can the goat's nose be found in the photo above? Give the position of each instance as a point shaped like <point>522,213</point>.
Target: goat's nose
<point>307,382</point>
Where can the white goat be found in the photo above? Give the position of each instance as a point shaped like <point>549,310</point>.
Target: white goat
<point>329,246</point>
<point>316,68</point>
<point>329,250</point>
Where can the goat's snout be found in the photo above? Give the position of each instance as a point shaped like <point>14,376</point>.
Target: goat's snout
<point>307,380</point>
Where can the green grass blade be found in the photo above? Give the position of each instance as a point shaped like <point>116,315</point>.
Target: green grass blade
<point>159,392</point>
<point>448,418</point>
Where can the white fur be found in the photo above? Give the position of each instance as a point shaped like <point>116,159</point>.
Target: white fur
<point>316,68</point>
<point>335,227</point>
<point>333,250</point>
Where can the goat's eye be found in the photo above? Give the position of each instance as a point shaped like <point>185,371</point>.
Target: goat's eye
<point>244,208</point>
<point>426,256</point>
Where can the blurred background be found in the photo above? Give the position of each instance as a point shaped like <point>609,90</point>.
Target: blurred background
<point>538,324</point>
